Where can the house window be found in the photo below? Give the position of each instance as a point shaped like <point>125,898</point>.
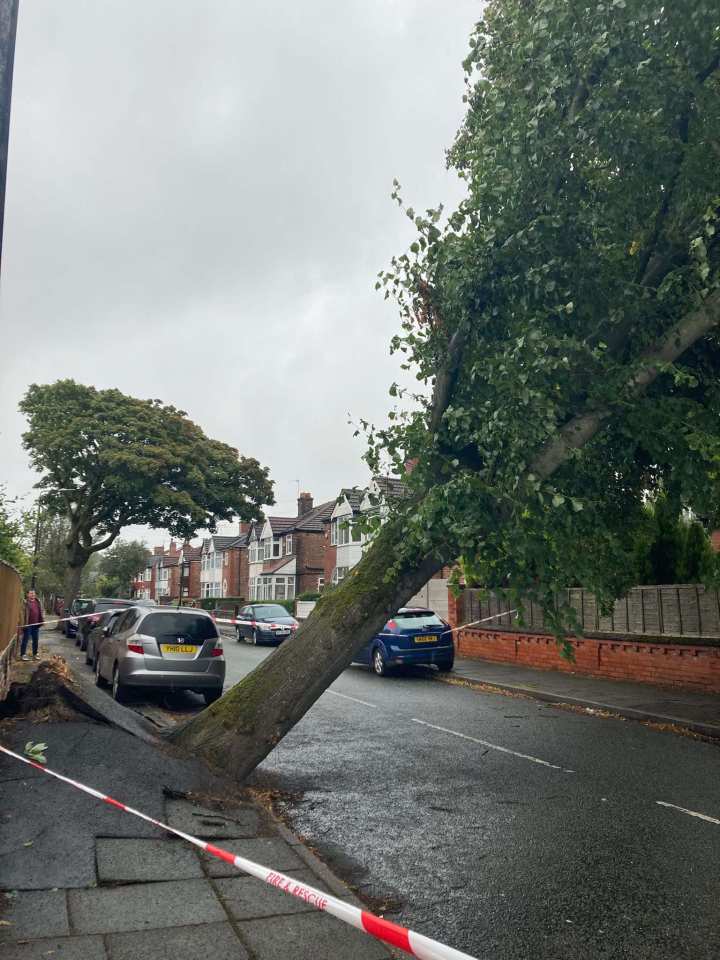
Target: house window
<point>288,545</point>
<point>321,583</point>
<point>342,532</point>
<point>224,589</point>
<point>226,557</point>
<point>339,574</point>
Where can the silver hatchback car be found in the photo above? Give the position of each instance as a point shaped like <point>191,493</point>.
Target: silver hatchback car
<point>170,649</point>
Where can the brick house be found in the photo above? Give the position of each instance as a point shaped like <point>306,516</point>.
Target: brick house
<point>286,555</point>
<point>189,571</point>
<point>215,573</point>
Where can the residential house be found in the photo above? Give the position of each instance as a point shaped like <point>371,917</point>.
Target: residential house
<point>286,554</point>
<point>189,571</point>
<point>215,566</point>
<point>346,542</point>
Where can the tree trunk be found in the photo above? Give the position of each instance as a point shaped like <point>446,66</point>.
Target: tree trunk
<point>77,557</point>
<point>239,731</point>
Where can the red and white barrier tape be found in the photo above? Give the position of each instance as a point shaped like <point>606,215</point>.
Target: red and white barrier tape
<point>495,616</point>
<point>413,943</point>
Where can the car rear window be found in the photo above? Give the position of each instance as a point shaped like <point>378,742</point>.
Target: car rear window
<point>270,611</point>
<point>193,629</point>
<point>103,605</point>
<point>418,618</point>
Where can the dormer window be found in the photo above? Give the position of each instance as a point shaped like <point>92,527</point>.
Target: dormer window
<point>288,545</point>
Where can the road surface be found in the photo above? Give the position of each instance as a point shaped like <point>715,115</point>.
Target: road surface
<point>502,826</point>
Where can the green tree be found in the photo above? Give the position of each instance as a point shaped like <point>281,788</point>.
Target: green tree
<point>108,460</point>
<point>563,320</point>
<point>119,566</point>
<point>11,540</point>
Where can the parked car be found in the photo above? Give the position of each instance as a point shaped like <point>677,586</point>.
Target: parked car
<point>97,608</point>
<point>163,648</point>
<point>265,623</point>
<point>413,636</point>
<point>77,607</point>
<point>96,633</point>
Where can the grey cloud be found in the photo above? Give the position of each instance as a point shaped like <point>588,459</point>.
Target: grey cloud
<point>198,203</point>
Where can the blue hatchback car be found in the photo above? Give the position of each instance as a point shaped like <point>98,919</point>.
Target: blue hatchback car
<point>413,636</point>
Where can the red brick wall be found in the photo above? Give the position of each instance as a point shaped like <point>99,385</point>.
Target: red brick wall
<point>310,555</point>
<point>236,572</point>
<point>194,580</point>
<point>693,667</point>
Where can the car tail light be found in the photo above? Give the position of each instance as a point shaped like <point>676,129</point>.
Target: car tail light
<point>217,650</point>
<point>135,647</point>
<point>392,624</point>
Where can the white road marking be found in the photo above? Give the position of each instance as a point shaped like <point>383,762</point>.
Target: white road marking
<point>690,813</point>
<point>494,746</point>
<point>354,699</point>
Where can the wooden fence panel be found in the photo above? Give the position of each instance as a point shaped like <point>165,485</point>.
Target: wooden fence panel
<point>10,600</point>
<point>674,610</point>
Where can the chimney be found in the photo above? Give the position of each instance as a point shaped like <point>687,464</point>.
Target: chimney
<point>305,504</point>
<point>158,551</point>
<point>173,549</point>
<point>243,527</point>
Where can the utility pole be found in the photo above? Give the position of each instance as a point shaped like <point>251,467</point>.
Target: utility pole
<point>8,30</point>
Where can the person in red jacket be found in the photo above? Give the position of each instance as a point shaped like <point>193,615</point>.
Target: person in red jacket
<point>33,621</point>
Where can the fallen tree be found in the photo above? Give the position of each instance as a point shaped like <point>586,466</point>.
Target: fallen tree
<point>565,319</point>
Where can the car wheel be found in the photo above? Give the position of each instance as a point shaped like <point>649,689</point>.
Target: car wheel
<point>254,638</point>
<point>446,666</point>
<point>119,690</point>
<point>211,696</point>
<point>99,679</point>
<point>378,662</point>
<point>238,635</point>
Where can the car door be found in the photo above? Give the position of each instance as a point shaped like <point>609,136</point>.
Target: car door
<point>245,617</point>
<point>110,650</point>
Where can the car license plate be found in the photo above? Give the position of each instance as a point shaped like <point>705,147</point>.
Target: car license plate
<point>282,630</point>
<point>176,648</point>
<point>426,639</point>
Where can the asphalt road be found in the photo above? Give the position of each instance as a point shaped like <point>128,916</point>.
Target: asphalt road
<point>502,826</point>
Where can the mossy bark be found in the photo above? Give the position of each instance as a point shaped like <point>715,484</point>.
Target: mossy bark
<point>239,731</point>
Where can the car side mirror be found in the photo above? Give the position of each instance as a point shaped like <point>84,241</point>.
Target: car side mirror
<point>105,631</point>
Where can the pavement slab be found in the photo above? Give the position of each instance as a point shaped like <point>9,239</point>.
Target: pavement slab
<point>203,822</point>
<point>269,851</point>
<point>309,936</point>
<point>35,914</point>
<point>215,940</point>
<point>132,861</point>
<point>246,898</point>
<point>63,948</point>
<point>142,906</point>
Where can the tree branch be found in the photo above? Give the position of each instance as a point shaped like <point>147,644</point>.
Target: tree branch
<point>103,544</point>
<point>446,379</point>
<point>581,428</point>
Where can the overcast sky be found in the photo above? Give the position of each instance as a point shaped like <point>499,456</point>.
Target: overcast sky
<point>198,205</point>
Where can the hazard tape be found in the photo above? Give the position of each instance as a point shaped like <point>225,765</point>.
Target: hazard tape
<point>464,626</point>
<point>78,616</point>
<point>392,933</point>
